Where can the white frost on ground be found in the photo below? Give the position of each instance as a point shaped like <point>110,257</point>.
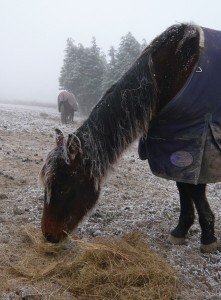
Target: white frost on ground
<point>132,198</point>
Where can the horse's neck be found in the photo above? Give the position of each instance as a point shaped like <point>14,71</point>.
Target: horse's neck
<point>175,59</point>
<point>124,112</point>
<point>121,116</point>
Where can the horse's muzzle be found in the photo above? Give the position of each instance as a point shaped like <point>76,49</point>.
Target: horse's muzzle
<point>52,239</point>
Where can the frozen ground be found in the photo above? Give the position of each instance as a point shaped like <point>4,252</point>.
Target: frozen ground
<point>132,198</point>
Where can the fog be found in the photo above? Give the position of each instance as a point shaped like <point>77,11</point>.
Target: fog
<point>34,33</point>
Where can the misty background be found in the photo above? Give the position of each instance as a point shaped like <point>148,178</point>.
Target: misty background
<point>34,34</point>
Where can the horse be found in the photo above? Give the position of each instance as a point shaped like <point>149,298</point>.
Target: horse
<point>74,171</point>
<point>67,106</point>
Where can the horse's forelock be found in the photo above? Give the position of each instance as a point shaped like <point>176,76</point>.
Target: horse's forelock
<point>45,179</point>
<point>56,157</point>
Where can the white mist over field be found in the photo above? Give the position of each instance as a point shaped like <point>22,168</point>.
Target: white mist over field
<point>34,33</point>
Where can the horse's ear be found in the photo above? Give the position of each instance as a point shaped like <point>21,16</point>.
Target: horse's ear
<point>73,146</point>
<point>59,137</point>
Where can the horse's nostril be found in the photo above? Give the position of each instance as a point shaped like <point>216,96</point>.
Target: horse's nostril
<point>50,238</point>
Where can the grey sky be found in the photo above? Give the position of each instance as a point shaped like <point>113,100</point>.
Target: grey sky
<point>33,34</point>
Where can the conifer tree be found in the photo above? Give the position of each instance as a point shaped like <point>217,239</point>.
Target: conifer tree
<point>128,52</point>
<point>66,74</point>
<point>120,60</point>
<point>86,73</point>
<point>82,73</point>
<point>109,76</point>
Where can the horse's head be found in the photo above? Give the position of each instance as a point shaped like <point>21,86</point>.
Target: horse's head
<point>69,191</point>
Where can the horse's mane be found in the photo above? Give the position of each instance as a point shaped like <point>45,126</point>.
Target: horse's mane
<point>124,112</point>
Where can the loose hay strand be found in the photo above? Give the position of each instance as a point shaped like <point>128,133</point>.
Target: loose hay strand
<point>121,268</point>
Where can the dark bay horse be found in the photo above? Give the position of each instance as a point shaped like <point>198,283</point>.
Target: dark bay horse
<point>75,169</point>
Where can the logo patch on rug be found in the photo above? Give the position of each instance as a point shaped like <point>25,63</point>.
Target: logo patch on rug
<point>181,159</point>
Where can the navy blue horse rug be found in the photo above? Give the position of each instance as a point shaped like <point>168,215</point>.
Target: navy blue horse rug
<point>184,139</point>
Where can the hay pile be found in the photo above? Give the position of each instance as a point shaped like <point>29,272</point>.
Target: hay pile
<point>121,268</point>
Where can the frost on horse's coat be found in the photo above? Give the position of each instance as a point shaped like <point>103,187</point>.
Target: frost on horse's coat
<point>184,139</point>
<point>75,169</point>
